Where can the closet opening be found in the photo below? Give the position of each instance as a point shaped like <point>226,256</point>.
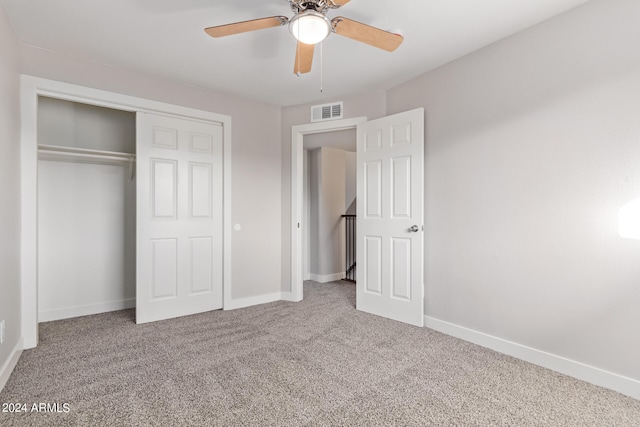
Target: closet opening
<point>86,209</point>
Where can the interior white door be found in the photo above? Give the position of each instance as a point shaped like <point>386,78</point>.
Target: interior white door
<point>390,212</point>
<point>179,217</point>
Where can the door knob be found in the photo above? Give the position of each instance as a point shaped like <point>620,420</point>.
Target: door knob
<point>414,229</point>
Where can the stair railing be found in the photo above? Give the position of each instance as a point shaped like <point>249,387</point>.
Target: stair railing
<point>350,247</point>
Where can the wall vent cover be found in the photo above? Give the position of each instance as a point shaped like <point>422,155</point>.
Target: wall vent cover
<point>326,112</point>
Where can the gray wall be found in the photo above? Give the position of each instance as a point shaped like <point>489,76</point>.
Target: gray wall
<point>256,164</point>
<point>9,187</point>
<point>306,206</point>
<point>350,182</point>
<point>314,173</point>
<point>532,147</point>
<point>311,240</point>
<point>333,196</point>
<point>327,204</point>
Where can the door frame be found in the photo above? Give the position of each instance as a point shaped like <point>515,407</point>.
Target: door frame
<point>32,87</point>
<point>297,200</point>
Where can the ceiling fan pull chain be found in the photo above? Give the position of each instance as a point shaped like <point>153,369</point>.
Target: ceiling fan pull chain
<point>298,59</point>
<point>298,53</point>
<point>321,67</point>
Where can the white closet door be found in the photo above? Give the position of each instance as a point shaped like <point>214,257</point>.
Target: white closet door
<point>390,212</point>
<point>179,217</point>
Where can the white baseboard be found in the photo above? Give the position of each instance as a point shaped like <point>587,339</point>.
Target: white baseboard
<point>249,301</point>
<point>10,364</point>
<point>581,371</point>
<point>326,278</point>
<point>85,310</point>
<point>288,296</point>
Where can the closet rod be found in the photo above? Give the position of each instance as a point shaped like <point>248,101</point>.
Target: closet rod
<point>128,159</point>
<point>84,151</point>
<point>52,152</point>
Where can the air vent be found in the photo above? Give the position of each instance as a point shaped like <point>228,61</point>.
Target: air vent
<point>326,112</point>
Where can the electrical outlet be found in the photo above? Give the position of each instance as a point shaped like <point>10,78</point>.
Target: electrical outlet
<point>2,332</point>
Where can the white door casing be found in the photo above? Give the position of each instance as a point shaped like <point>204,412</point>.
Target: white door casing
<point>297,221</point>
<point>390,214</point>
<point>179,217</point>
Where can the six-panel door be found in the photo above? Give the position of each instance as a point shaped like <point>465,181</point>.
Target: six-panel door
<point>390,157</point>
<point>179,217</point>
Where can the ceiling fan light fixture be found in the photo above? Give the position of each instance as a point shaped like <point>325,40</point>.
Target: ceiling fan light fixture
<point>310,27</point>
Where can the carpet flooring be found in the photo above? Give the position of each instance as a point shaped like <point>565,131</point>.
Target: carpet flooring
<point>317,363</point>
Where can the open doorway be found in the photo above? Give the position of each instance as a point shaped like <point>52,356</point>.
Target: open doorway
<point>329,176</point>
<point>298,133</point>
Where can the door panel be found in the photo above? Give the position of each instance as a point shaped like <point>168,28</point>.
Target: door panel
<point>164,138</point>
<point>179,217</point>
<point>390,216</point>
<point>201,265</point>
<point>372,140</point>
<point>373,265</point>
<point>165,262</point>
<point>401,268</point>
<point>373,189</point>
<point>200,175</point>
<point>201,143</point>
<point>401,187</point>
<point>164,188</point>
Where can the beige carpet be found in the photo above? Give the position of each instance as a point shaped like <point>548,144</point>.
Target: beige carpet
<point>318,362</point>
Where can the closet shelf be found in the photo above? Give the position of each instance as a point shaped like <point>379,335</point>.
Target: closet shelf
<point>85,155</point>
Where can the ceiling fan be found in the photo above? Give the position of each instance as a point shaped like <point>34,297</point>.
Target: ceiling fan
<point>310,26</point>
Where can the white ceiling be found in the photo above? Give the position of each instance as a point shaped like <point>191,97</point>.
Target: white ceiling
<point>166,38</point>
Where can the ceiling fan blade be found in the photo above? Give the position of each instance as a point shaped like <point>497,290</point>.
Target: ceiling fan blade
<point>366,34</point>
<point>340,2</point>
<point>304,58</point>
<point>245,26</point>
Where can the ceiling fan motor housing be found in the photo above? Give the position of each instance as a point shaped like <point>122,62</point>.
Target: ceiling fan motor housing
<point>319,6</point>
